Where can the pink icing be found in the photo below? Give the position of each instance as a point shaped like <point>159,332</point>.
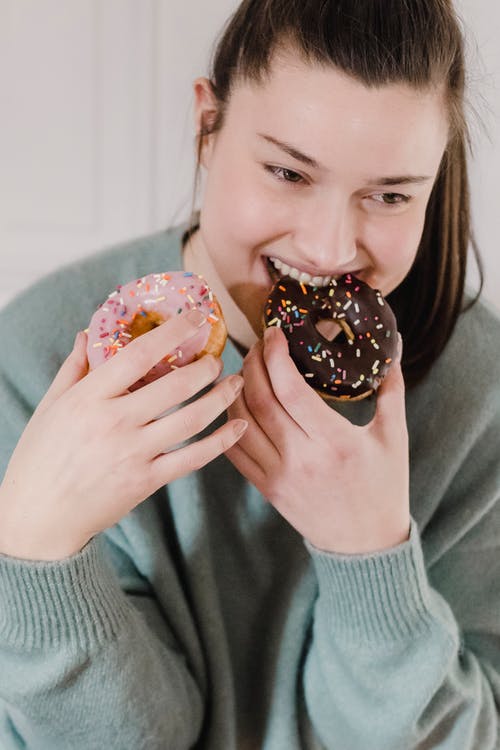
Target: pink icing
<point>168,294</point>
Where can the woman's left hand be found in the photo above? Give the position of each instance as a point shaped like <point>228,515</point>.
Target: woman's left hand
<point>343,487</point>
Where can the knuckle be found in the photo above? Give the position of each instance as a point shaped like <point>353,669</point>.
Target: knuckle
<point>140,359</point>
<point>212,366</point>
<point>193,458</point>
<point>189,421</point>
<point>289,392</point>
<point>256,401</point>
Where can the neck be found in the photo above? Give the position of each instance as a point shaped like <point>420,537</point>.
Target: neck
<point>196,259</point>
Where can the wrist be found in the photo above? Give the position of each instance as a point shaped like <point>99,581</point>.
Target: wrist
<point>355,543</point>
<point>31,551</point>
<point>30,538</point>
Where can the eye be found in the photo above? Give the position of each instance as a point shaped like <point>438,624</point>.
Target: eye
<point>283,174</point>
<point>391,199</point>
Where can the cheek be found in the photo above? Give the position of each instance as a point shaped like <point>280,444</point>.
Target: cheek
<point>393,246</point>
<point>237,198</point>
<point>398,239</point>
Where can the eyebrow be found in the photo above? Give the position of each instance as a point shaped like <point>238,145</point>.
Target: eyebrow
<point>310,162</point>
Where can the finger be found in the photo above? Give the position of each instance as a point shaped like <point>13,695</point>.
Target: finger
<point>303,404</point>
<point>262,403</point>
<point>190,420</point>
<point>171,389</point>
<point>136,359</point>
<point>167,467</point>
<point>390,413</point>
<point>249,468</point>
<point>255,442</point>
<point>72,370</point>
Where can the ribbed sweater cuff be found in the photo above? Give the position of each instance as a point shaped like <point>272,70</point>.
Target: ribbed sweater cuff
<point>379,597</point>
<point>76,603</point>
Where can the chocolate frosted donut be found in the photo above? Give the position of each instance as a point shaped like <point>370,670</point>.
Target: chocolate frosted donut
<point>353,365</point>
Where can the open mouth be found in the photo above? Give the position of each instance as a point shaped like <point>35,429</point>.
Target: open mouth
<point>277,269</point>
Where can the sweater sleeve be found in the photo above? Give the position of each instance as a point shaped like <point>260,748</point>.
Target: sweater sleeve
<point>83,665</point>
<point>405,651</point>
<point>87,659</point>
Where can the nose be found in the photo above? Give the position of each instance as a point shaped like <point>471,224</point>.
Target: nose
<point>325,235</point>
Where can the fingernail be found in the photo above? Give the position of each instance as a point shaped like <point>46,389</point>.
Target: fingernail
<point>77,337</point>
<point>236,384</point>
<point>239,426</point>
<point>195,317</point>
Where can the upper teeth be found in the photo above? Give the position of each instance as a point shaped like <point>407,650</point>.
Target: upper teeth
<point>301,276</point>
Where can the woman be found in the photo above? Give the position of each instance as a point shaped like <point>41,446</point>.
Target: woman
<point>357,607</point>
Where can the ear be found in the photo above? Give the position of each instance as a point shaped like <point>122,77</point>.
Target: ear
<point>205,114</point>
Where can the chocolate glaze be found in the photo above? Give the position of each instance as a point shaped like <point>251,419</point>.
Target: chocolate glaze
<point>352,365</point>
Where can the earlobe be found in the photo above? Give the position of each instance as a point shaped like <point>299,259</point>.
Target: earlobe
<point>205,114</point>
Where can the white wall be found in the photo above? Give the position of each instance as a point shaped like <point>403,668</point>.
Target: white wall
<point>96,139</point>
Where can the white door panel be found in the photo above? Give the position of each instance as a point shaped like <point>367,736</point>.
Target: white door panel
<point>96,134</point>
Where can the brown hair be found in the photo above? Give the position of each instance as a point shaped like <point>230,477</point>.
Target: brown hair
<point>377,42</point>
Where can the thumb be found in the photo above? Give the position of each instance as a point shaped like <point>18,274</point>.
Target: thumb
<point>73,369</point>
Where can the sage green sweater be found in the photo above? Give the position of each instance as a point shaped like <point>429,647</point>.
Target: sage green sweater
<point>203,620</point>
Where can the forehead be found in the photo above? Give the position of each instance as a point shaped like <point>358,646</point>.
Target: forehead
<point>320,108</point>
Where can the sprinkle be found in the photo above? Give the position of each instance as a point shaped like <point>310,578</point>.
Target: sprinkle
<point>97,344</point>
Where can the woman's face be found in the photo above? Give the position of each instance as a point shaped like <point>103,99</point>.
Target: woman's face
<point>313,173</point>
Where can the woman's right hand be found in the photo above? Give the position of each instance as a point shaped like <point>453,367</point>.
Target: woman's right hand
<point>93,450</point>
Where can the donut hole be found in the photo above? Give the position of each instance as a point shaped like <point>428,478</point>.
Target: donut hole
<point>334,330</point>
<point>328,328</point>
<point>144,321</point>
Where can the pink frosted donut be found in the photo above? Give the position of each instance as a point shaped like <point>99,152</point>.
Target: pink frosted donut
<point>143,304</point>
